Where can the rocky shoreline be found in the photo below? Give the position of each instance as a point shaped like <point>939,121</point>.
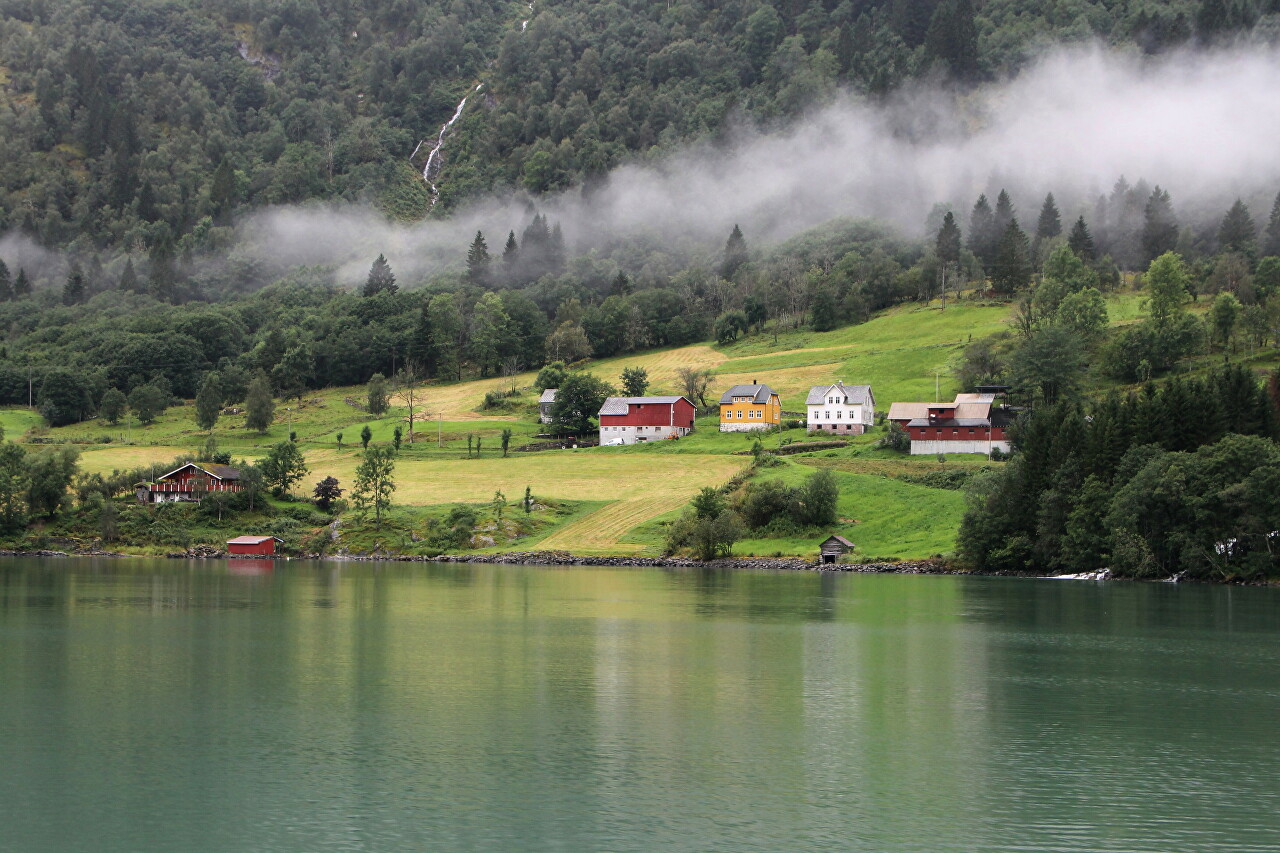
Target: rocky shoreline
<point>563,558</point>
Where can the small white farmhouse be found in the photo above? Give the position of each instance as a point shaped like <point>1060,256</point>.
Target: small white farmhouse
<point>840,408</point>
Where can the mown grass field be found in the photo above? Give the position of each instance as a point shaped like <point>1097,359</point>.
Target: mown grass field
<point>624,493</point>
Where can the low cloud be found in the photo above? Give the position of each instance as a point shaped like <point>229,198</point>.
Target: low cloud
<point>1205,126</point>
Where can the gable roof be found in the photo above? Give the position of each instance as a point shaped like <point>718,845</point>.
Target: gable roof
<point>252,540</point>
<point>855,394</point>
<point>218,472</point>
<point>622,405</point>
<point>548,396</point>
<point>908,411</point>
<point>839,539</point>
<point>758,393</point>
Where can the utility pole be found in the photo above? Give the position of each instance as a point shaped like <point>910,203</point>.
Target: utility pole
<point>936,385</point>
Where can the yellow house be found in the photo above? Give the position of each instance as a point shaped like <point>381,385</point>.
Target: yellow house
<point>748,407</point>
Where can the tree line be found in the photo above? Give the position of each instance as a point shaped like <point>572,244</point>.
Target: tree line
<point>1175,479</point>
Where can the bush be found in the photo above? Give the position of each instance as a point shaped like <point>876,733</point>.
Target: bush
<point>895,438</point>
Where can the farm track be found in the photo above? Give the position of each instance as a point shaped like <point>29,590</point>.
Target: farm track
<point>602,529</point>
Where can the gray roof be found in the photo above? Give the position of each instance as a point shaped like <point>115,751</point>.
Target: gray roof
<point>620,405</point>
<point>855,393</point>
<point>548,396</point>
<point>839,539</point>
<point>760,393</point>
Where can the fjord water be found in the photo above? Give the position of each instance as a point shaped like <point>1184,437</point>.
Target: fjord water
<point>161,705</point>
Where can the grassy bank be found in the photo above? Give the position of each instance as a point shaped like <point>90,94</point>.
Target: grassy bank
<point>614,500</point>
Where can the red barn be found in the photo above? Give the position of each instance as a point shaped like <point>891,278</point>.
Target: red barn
<point>255,545</point>
<point>190,482</point>
<point>627,420</point>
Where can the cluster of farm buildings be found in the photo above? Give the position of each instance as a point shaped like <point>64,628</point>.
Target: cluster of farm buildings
<point>971,423</point>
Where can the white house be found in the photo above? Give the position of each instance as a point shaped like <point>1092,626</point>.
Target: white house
<point>545,402</point>
<point>840,408</point>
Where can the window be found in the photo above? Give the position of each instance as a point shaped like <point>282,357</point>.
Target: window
<point>826,416</point>
<point>837,414</point>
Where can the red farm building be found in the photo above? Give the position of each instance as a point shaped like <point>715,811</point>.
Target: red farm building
<point>972,423</point>
<point>257,546</point>
<point>627,420</point>
<point>190,482</point>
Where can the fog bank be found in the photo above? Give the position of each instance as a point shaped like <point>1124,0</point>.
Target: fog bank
<point>1205,126</point>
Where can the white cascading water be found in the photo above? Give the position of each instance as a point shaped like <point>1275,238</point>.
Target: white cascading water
<point>433,159</point>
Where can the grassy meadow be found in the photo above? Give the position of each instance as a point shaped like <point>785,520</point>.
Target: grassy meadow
<point>614,500</point>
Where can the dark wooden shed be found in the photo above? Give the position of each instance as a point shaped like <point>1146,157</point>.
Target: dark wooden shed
<point>833,547</point>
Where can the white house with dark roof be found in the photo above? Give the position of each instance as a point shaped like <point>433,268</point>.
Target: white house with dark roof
<point>840,408</point>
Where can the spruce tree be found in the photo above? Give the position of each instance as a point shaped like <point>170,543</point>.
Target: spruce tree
<point>1003,215</point>
<point>478,261</point>
<point>1081,242</point>
<point>73,290</point>
<point>222,191</point>
<point>982,234</point>
<point>129,277</point>
<point>948,247</point>
<point>1049,225</point>
<point>953,38</point>
<point>556,250</point>
<point>1159,226</point>
<point>259,408</point>
<point>6,283</point>
<point>735,253</point>
<point>380,278</point>
<point>1271,236</point>
<point>420,351</point>
<point>510,258</point>
<point>1012,269</point>
<point>948,243</point>
<point>21,284</point>
<point>1237,232</point>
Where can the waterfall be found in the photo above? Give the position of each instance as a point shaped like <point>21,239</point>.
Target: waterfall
<point>432,166</point>
<point>433,159</point>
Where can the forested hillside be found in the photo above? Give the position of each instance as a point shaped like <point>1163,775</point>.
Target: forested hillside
<point>145,126</point>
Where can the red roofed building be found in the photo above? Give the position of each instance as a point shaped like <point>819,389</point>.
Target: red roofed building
<point>627,420</point>
<point>972,423</point>
<point>255,545</point>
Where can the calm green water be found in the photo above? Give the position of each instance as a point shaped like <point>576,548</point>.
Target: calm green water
<point>164,706</point>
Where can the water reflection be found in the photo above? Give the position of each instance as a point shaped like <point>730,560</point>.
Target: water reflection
<point>173,705</point>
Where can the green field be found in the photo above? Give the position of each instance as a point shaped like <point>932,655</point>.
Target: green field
<point>622,495</point>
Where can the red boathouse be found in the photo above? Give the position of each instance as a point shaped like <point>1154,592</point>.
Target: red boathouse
<point>255,545</point>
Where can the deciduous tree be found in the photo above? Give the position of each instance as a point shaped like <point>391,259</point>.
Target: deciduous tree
<point>374,482</point>
<point>208,402</point>
<point>260,408</point>
<point>578,402</point>
<point>635,381</point>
